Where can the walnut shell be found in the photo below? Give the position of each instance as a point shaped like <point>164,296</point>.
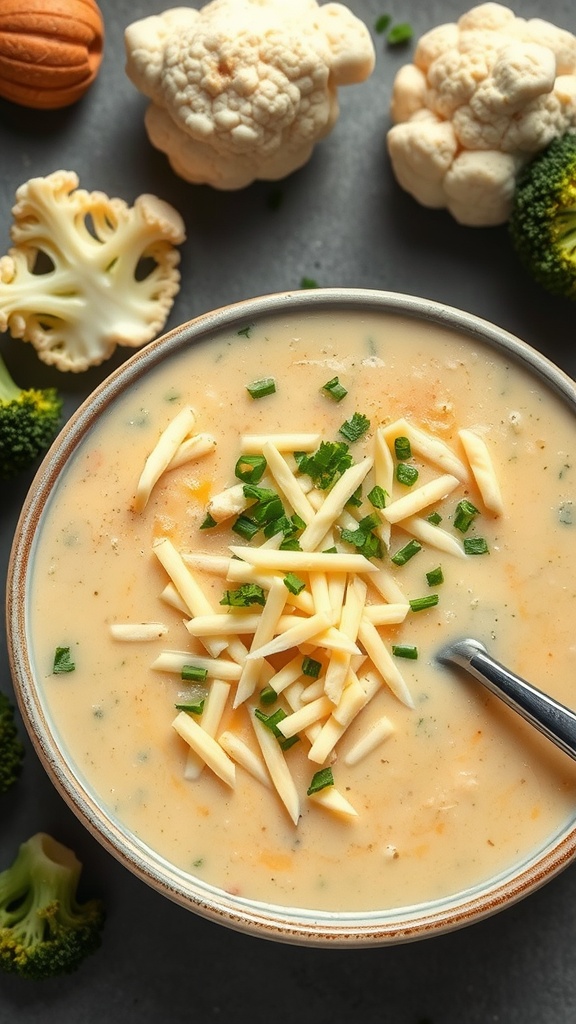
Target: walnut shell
<point>50,51</point>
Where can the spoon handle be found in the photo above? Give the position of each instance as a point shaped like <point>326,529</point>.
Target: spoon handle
<point>553,719</point>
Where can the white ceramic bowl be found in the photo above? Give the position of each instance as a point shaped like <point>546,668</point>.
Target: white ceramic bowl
<point>295,925</point>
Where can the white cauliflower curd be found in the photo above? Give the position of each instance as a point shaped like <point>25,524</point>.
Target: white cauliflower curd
<point>482,96</point>
<point>87,273</point>
<point>243,89</point>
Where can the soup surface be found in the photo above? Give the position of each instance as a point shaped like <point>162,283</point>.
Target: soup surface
<point>458,789</point>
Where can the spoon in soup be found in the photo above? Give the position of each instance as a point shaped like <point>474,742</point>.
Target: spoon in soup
<point>554,720</point>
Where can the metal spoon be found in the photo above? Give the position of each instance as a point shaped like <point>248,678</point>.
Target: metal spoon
<point>555,720</point>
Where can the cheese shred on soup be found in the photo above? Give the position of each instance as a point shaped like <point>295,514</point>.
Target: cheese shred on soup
<point>254,557</point>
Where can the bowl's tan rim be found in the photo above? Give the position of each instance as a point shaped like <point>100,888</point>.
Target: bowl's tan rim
<point>272,922</point>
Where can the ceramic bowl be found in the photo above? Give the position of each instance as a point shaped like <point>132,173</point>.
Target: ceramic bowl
<point>377,925</point>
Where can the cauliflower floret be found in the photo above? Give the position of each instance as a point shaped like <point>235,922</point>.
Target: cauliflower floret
<point>505,85</point>
<point>243,89</point>
<point>87,273</point>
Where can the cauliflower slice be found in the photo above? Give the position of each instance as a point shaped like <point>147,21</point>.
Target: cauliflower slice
<point>87,273</point>
<point>243,89</point>
<point>504,85</point>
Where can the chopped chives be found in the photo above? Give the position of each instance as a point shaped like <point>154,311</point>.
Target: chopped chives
<point>407,552</point>
<point>464,515</point>
<point>244,596</point>
<point>435,518</point>
<point>355,500</point>
<point>419,604</point>
<point>245,527</point>
<point>377,496</point>
<point>311,667</point>
<point>250,468</point>
<point>326,464</point>
<point>261,388</point>
<point>271,722</point>
<point>355,427</point>
<point>335,389</point>
<point>194,673</point>
<point>208,523</point>
<point>268,695</point>
<point>402,448</point>
<point>290,544</point>
<point>435,577</point>
<point>406,474</point>
<point>475,546</point>
<point>293,583</point>
<point>192,707</point>
<point>320,780</point>
<point>405,651</point>
<point>62,661</point>
<point>245,332</point>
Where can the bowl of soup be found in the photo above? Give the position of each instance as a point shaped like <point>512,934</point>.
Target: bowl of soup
<point>227,592</point>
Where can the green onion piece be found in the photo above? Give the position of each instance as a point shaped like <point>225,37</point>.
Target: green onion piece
<point>293,583</point>
<point>271,722</point>
<point>290,544</point>
<point>308,282</point>
<point>335,389</point>
<point>377,496</point>
<point>298,522</point>
<point>193,708</point>
<point>365,542</point>
<point>268,695</point>
<point>399,34</point>
<point>382,23</point>
<point>402,448</point>
<point>250,468</point>
<point>62,661</point>
<point>475,546</point>
<point>419,604</point>
<point>244,596</point>
<point>405,651</point>
<point>245,527</point>
<point>355,500</point>
<point>355,427</point>
<point>406,553</point>
<point>311,667</point>
<point>208,523</point>
<point>464,515</point>
<point>320,780</point>
<point>435,577</point>
<point>261,388</point>
<point>245,332</point>
<point>326,464</point>
<point>194,673</point>
<point>406,474</point>
<point>435,518</point>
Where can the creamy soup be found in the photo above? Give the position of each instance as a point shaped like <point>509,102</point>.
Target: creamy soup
<point>439,785</point>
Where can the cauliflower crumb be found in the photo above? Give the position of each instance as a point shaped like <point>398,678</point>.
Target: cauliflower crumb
<point>481,97</point>
<point>243,89</point>
<point>87,273</point>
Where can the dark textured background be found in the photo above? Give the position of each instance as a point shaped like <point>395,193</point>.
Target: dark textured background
<point>343,221</point>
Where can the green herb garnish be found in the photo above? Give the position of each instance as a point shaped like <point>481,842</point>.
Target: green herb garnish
<point>377,497</point>
<point>464,515</point>
<point>407,475</point>
<point>335,389</point>
<point>320,780</point>
<point>407,552</point>
<point>419,604</point>
<point>293,583</point>
<point>402,448</point>
<point>355,427</point>
<point>194,673</point>
<point>250,468</point>
<point>244,596</point>
<point>261,388</point>
<point>311,667</point>
<point>62,661</point>
<point>405,651</point>
<point>435,577</point>
<point>475,546</point>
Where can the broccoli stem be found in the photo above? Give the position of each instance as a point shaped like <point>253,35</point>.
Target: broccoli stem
<point>8,389</point>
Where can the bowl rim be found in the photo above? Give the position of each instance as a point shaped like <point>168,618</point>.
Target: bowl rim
<point>285,924</point>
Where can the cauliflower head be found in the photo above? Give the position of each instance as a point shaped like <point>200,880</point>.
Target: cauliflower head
<point>481,97</point>
<point>87,273</point>
<point>243,89</point>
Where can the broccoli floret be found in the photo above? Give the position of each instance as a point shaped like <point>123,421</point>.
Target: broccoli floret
<point>44,930</point>
<point>542,224</point>
<point>29,420</point>
<point>11,748</point>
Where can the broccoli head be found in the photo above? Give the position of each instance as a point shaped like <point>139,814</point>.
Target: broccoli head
<point>29,420</point>
<point>542,224</point>
<point>44,930</point>
<point>11,748</point>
